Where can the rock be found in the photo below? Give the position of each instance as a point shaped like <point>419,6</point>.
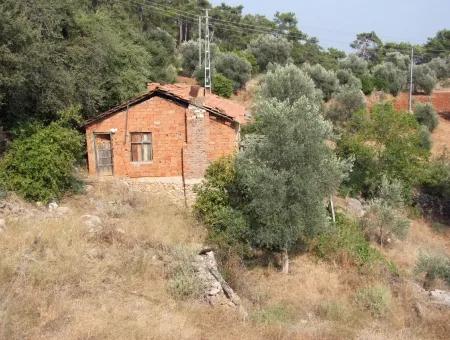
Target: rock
<point>63,211</point>
<point>52,206</point>
<point>440,297</point>
<point>93,222</point>
<point>2,225</point>
<point>88,188</point>
<point>355,207</point>
<point>216,289</point>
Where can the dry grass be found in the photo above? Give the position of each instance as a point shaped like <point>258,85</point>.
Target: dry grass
<point>441,136</point>
<point>59,281</point>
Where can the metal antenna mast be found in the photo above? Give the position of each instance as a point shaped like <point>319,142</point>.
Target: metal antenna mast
<point>411,80</point>
<point>207,55</point>
<point>199,42</point>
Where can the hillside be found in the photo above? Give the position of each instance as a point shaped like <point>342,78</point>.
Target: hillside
<point>66,276</point>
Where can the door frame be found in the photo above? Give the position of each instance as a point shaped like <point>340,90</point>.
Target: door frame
<point>95,151</point>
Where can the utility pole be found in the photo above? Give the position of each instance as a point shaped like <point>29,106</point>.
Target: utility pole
<point>207,55</point>
<point>199,41</point>
<point>411,80</point>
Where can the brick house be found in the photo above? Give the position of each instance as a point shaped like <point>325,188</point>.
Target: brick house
<point>172,132</point>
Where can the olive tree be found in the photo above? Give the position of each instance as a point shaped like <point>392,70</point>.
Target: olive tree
<point>324,79</point>
<point>357,65</point>
<point>270,49</point>
<point>288,83</point>
<point>424,78</point>
<point>426,115</point>
<point>389,78</point>
<point>441,67</point>
<point>347,101</point>
<point>286,171</point>
<point>348,79</point>
<point>235,68</point>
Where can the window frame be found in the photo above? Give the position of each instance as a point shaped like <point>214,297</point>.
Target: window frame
<point>142,142</point>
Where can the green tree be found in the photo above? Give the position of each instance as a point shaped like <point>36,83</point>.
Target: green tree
<point>426,115</point>
<point>383,142</point>
<point>235,68</point>
<point>347,79</point>
<point>288,83</point>
<point>357,65</point>
<point>389,78</point>
<point>368,46</point>
<point>424,79</point>
<point>344,104</point>
<point>324,80</point>
<point>285,172</point>
<point>270,49</point>
<point>222,86</point>
<point>439,45</point>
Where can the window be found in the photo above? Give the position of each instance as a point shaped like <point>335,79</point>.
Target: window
<point>141,147</point>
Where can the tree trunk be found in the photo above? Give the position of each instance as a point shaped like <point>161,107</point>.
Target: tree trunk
<point>285,262</point>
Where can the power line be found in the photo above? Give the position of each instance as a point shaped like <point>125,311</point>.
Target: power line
<point>231,26</point>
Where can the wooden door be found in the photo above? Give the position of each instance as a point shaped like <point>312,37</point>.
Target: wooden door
<point>103,154</point>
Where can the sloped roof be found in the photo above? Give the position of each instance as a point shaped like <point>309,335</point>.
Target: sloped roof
<point>214,104</point>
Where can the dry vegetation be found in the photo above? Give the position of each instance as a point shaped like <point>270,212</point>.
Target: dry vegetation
<point>58,280</point>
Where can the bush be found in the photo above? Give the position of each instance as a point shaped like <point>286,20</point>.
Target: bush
<point>189,57</point>
<point>384,142</point>
<point>222,86</point>
<point>270,49</point>
<point>247,55</point>
<point>434,196</point>
<point>288,83</point>
<point>227,226</point>
<point>382,222</point>
<point>346,243</point>
<point>375,299</point>
<point>346,102</point>
<point>426,115</point>
<point>233,67</point>
<point>425,137</point>
<point>368,84</point>
<point>324,80</point>
<point>184,282</point>
<point>389,78</point>
<point>435,267</point>
<point>424,78</point>
<point>40,167</point>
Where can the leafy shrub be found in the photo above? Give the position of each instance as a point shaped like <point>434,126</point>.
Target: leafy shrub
<point>324,79</point>
<point>270,49</point>
<point>288,83</point>
<point>426,115</point>
<point>384,142</point>
<point>346,243</point>
<point>425,137</point>
<point>235,68</point>
<point>184,282</point>
<point>367,83</point>
<point>40,167</point>
<point>346,102</point>
<point>189,57</point>
<point>222,86</point>
<point>424,78</point>
<point>389,78</point>
<point>383,222</point>
<point>247,55</point>
<point>347,79</point>
<point>375,299</point>
<point>435,267</point>
<point>434,196</point>
<point>213,206</point>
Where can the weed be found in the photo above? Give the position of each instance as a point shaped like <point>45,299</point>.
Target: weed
<point>376,299</point>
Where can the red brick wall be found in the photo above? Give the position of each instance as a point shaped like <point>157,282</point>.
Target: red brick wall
<point>439,99</point>
<point>207,139</point>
